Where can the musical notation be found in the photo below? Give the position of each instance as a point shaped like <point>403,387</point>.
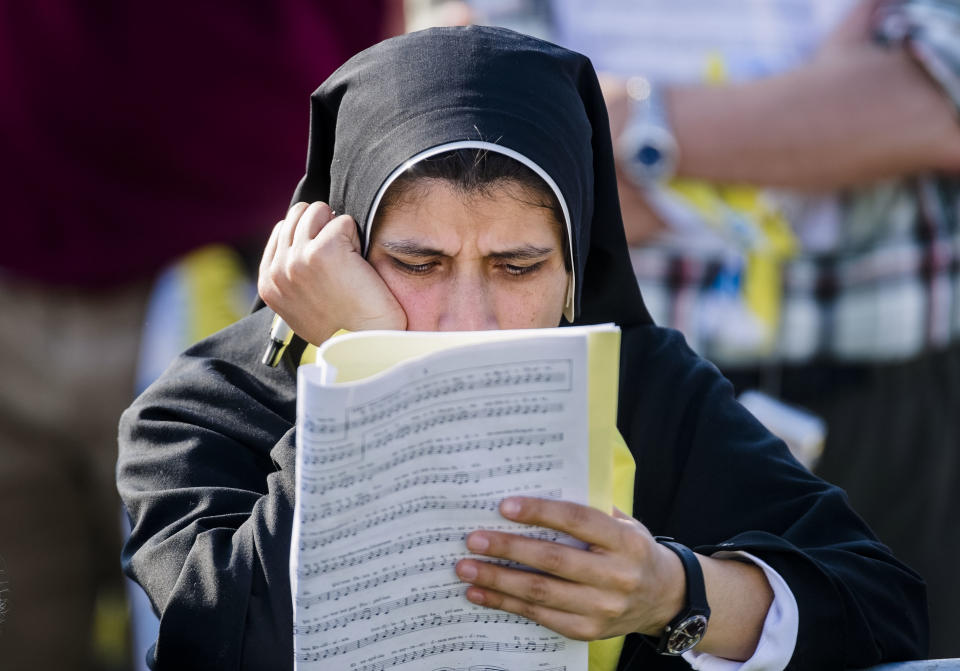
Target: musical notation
<point>392,549</point>
<point>394,474</point>
<point>460,646</point>
<point>362,557</point>
<point>529,377</point>
<point>457,478</point>
<point>420,625</point>
<point>334,456</point>
<point>446,416</point>
<point>400,511</point>
<point>370,583</point>
<point>429,448</point>
<point>383,608</point>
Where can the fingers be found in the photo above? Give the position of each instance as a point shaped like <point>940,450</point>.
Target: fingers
<point>615,586</point>
<point>535,588</point>
<point>574,610</point>
<point>285,239</point>
<point>276,252</point>
<point>313,275</point>
<point>582,522</point>
<point>270,251</point>
<point>556,559</point>
<point>311,222</point>
<point>569,624</point>
<point>343,227</point>
<point>282,258</point>
<point>302,224</point>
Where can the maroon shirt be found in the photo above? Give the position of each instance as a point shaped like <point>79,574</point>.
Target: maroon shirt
<point>133,132</point>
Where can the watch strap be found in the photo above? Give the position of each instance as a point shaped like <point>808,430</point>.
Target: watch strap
<point>695,601</point>
<point>696,589</point>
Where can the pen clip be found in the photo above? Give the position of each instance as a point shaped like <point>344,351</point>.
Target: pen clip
<point>280,337</point>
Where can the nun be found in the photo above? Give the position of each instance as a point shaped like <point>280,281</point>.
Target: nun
<point>463,179</point>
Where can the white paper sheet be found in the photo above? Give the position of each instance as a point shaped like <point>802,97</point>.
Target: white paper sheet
<point>394,472</point>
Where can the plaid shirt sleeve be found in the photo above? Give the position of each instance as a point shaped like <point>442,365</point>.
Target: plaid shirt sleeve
<point>889,288</point>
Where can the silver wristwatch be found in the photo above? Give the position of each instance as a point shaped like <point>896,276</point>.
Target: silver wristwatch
<point>646,147</point>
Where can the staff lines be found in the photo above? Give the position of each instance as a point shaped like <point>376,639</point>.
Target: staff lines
<point>389,405</point>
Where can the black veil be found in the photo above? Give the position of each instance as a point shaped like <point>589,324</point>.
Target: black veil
<point>492,85</point>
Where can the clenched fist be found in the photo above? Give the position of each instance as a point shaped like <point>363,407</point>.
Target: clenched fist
<point>314,276</point>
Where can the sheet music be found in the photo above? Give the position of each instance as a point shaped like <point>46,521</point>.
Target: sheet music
<point>393,473</point>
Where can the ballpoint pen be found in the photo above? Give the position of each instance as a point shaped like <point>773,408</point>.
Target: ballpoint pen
<point>280,335</point>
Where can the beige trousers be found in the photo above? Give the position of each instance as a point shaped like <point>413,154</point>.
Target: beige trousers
<point>67,361</point>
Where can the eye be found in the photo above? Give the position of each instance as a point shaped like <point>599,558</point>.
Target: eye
<point>516,271</point>
<point>413,268</point>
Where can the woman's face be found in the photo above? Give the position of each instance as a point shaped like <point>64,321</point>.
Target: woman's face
<point>471,262</point>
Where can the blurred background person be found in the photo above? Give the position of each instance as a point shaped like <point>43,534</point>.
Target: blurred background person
<point>790,181</point>
<point>131,135</point>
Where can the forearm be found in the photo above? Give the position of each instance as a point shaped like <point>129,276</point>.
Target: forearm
<point>206,471</point>
<point>213,561</point>
<point>844,119</point>
<point>733,487</point>
<point>739,597</point>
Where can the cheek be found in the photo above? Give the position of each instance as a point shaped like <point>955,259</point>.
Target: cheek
<point>517,311</point>
<point>534,305</point>
<point>420,301</point>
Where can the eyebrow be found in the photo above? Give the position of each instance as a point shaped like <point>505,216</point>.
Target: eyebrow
<point>410,248</point>
<point>415,249</point>
<point>523,253</point>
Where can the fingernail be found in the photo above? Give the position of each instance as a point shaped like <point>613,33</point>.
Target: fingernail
<point>478,542</point>
<point>510,508</point>
<point>467,571</point>
<point>475,595</point>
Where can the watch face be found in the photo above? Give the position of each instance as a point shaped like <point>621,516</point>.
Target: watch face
<point>687,634</point>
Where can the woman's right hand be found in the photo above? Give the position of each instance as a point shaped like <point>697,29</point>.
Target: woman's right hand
<point>314,276</point>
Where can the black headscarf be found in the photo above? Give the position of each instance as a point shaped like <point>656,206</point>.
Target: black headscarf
<point>445,85</point>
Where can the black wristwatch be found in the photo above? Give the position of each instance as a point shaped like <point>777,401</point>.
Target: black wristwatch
<point>686,629</point>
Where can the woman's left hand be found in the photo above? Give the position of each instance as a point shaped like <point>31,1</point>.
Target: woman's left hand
<point>623,582</point>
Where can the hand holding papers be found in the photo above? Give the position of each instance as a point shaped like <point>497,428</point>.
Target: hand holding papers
<point>407,442</point>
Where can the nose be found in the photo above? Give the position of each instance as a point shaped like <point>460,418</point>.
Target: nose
<point>469,305</point>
